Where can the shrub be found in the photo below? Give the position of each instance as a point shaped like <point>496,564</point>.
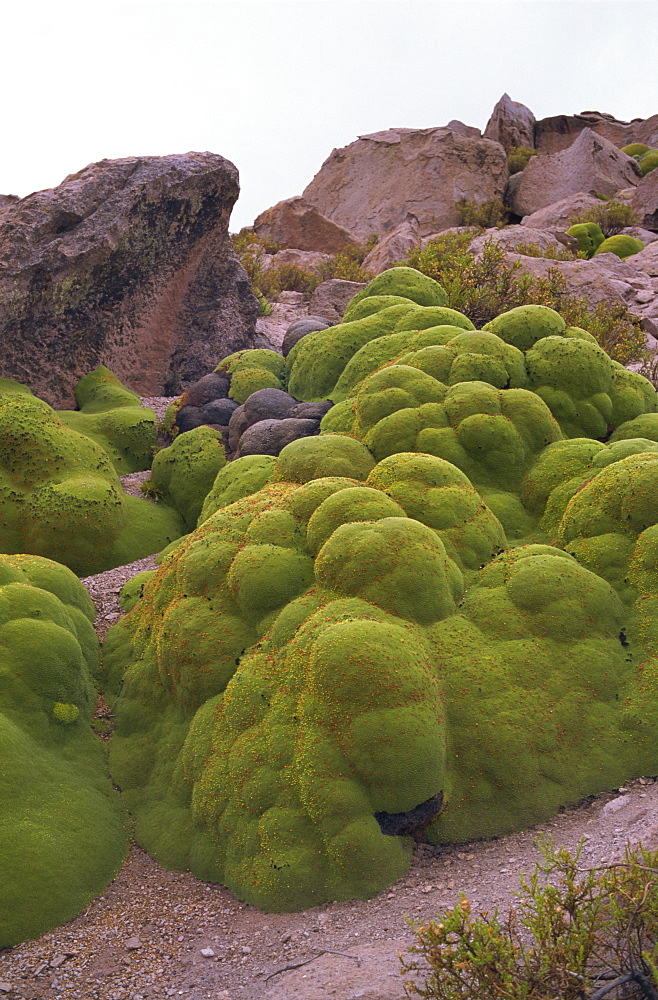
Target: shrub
<point>576,933</point>
<point>485,287</point>
<point>486,214</point>
<point>518,158</point>
<point>550,253</point>
<point>611,217</point>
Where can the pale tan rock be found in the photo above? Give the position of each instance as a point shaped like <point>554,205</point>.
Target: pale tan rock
<point>128,264</point>
<point>511,124</point>
<point>331,297</point>
<point>512,236</point>
<point>375,183</point>
<point>560,214</point>
<point>393,248</point>
<point>645,201</point>
<point>592,164</point>
<point>297,223</point>
<point>560,131</point>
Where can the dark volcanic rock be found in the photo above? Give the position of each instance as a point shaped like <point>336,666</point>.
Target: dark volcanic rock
<point>268,437</point>
<point>213,386</point>
<point>127,263</point>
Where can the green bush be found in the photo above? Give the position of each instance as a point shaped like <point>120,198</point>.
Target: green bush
<point>575,933</point>
<point>518,158</point>
<point>611,217</point>
<point>485,214</point>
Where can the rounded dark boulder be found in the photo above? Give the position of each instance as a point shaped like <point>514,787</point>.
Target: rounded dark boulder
<point>268,437</point>
<point>301,328</point>
<point>189,417</point>
<point>218,411</point>
<point>311,411</point>
<point>210,387</point>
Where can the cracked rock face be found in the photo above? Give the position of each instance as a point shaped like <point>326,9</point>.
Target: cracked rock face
<point>127,263</point>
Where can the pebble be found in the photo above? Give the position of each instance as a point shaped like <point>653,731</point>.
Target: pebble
<point>132,944</point>
<point>5,987</point>
<point>207,953</point>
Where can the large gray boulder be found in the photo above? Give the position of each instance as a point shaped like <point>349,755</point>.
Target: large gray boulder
<point>591,164</point>
<point>511,124</point>
<point>512,237</point>
<point>375,183</point>
<point>127,264</point>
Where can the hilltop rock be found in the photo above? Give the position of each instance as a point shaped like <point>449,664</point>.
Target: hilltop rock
<point>560,131</point>
<point>372,185</point>
<point>296,223</point>
<point>511,124</point>
<point>128,264</point>
<point>592,164</point>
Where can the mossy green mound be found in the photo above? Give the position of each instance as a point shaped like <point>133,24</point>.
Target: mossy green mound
<point>648,161</point>
<point>525,325</point>
<point>535,668</point>
<point>299,654</point>
<point>251,370</point>
<point>60,496</point>
<point>61,832</point>
<point>316,362</point>
<point>589,237</point>
<point>112,415</point>
<point>184,473</point>
<point>621,245</point>
<point>406,282</point>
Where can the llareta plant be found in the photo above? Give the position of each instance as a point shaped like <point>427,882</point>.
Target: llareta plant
<point>577,933</point>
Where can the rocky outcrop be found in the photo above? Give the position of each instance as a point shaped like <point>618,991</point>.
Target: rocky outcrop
<point>592,164</point>
<point>560,131</point>
<point>128,264</point>
<point>296,223</point>
<point>511,124</point>
<point>372,185</point>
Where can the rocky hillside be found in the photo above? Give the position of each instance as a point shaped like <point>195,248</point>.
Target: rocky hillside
<point>404,187</point>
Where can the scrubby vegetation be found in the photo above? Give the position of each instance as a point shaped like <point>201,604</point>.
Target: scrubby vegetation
<point>518,158</point>
<point>610,217</point>
<point>576,933</point>
<point>268,279</point>
<point>485,286</point>
<point>485,214</point>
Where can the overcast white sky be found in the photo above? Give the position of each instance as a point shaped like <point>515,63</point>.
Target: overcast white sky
<point>275,85</point>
